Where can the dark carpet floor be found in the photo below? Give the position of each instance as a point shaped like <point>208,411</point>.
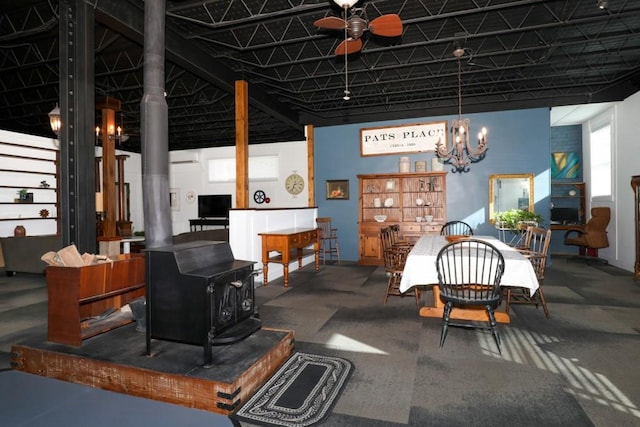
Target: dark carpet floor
<point>577,368</point>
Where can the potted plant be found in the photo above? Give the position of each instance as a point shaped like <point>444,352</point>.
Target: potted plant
<point>24,196</point>
<point>517,219</point>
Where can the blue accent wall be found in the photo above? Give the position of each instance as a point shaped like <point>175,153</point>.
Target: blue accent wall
<point>566,139</point>
<point>519,142</point>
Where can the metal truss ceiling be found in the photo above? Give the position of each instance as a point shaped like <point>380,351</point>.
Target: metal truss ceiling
<point>518,54</point>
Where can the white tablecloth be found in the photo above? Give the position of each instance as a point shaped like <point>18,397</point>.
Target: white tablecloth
<point>420,267</point>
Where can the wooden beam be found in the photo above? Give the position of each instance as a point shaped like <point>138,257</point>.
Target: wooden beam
<point>242,144</point>
<point>109,106</point>
<point>308,130</point>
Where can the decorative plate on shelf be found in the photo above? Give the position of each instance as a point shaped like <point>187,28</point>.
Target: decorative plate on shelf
<point>380,218</point>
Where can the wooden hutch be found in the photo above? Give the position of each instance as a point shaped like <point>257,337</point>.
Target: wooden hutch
<point>402,198</point>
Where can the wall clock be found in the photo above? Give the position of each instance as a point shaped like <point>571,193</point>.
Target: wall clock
<point>191,196</point>
<point>294,184</point>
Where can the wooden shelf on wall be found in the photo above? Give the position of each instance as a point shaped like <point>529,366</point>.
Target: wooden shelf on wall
<point>35,169</point>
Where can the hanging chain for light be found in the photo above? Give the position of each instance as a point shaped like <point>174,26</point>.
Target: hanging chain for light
<point>459,90</point>
<point>346,96</point>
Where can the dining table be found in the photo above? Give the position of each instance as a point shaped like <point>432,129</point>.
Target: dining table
<point>420,270</point>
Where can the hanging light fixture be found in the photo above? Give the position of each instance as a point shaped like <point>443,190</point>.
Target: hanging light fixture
<point>460,154</point>
<point>54,119</point>
<point>115,134</point>
<point>346,5</point>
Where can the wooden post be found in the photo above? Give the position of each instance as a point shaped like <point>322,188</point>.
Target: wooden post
<point>123,224</point>
<point>308,130</point>
<point>109,106</point>
<point>242,144</point>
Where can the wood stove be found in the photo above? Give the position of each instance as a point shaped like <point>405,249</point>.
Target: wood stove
<point>197,293</point>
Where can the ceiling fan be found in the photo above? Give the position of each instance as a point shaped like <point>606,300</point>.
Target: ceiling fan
<point>355,23</point>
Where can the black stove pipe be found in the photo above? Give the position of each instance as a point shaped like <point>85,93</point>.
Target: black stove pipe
<point>154,130</point>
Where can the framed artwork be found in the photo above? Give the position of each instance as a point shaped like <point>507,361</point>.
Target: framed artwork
<point>174,199</point>
<point>338,189</point>
<point>565,165</point>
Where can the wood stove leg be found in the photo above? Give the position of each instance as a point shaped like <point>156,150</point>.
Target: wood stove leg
<point>208,352</point>
<point>147,314</point>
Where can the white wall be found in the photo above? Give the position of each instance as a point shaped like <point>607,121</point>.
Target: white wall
<point>626,163</point>
<point>185,178</point>
<point>627,158</point>
<point>7,195</point>
<point>191,179</point>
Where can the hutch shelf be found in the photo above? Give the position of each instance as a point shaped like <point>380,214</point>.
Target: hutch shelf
<point>568,205</point>
<point>406,199</point>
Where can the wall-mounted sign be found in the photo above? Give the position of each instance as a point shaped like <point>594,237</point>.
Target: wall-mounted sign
<point>415,138</point>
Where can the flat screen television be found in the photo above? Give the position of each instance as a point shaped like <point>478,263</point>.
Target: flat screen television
<point>214,205</point>
<point>565,216</point>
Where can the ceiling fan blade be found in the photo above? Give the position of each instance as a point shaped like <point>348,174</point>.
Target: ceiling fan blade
<point>349,46</point>
<point>330,23</point>
<point>387,26</point>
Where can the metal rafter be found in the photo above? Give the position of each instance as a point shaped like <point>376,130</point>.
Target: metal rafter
<point>519,54</point>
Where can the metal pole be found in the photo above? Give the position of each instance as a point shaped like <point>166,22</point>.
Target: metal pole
<point>154,130</point>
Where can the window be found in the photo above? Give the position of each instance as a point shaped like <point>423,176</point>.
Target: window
<point>600,146</point>
<point>261,168</point>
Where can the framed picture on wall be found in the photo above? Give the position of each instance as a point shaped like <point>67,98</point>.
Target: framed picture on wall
<point>174,199</point>
<point>565,165</point>
<point>338,189</point>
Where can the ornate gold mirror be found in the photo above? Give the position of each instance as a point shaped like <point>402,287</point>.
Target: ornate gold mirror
<point>510,191</point>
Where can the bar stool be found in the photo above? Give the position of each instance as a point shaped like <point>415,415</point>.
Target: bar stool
<point>328,239</point>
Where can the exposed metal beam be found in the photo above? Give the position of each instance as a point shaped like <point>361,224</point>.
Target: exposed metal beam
<point>128,20</point>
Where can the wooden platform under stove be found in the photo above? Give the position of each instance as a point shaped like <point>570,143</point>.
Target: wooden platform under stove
<point>174,373</point>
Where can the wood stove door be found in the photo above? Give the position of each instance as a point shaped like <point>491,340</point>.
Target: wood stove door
<point>231,299</point>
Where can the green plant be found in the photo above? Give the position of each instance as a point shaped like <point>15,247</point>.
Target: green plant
<point>23,193</point>
<point>516,219</point>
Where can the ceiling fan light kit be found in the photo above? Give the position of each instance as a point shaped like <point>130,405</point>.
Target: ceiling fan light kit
<point>345,4</point>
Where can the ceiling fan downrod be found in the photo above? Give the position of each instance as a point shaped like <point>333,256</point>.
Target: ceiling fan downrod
<point>347,93</point>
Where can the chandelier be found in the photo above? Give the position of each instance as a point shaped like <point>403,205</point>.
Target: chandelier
<point>460,154</point>
<point>114,133</point>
